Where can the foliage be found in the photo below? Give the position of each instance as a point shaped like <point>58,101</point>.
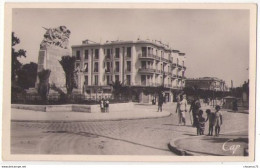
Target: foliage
<point>27,75</point>
<point>68,64</point>
<point>16,65</point>
<point>193,92</point>
<point>43,88</point>
<point>120,90</point>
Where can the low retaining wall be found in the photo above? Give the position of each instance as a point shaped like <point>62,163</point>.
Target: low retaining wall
<point>54,108</point>
<point>29,107</point>
<point>74,107</point>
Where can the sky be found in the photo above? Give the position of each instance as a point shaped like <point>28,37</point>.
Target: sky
<point>216,42</point>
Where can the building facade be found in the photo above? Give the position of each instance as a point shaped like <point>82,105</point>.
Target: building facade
<point>207,83</point>
<point>135,63</point>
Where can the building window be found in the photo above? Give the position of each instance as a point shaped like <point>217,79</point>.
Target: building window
<point>96,54</point>
<point>128,66</point>
<point>108,67</point>
<point>128,79</point>
<point>96,67</point>
<point>117,52</point>
<point>116,77</point>
<point>143,65</point>
<point>86,54</point>
<point>108,53</point>
<point>117,66</point>
<point>96,80</point>
<point>144,51</point>
<point>86,67</point>
<point>143,80</point>
<point>86,80</point>
<point>128,52</point>
<point>78,55</point>
<point>108,80</point>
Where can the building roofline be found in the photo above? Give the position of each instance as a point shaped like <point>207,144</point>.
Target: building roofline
<point>130,42</point>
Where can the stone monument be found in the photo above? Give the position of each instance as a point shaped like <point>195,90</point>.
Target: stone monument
<point>54,45</point>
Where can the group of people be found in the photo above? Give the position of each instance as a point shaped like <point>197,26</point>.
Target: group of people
<point>104,105</point>
<point>198,121</point>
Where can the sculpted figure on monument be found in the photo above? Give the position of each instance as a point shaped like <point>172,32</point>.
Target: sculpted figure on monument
<point>56,37</point>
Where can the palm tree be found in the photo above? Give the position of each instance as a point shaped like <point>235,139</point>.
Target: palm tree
<point>43,88</point>
<point>68,64</point>
<point>118,88</point>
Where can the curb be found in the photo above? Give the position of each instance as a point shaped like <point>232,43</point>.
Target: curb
<point>182,152</point>
<point>91,120</point>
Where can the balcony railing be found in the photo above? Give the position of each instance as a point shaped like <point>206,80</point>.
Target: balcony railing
<point>116,71</point>
<point>174,76</point>
<point>150,56</point>
<point>107,70</point>
<point>146,83</point>
<point>164,59</point>
<point>147,70</point>
<point>127,70</point>
<point>108,57</point>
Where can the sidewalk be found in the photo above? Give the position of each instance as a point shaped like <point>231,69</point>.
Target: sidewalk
<point>138,112</point>
<point>227,144</point>
<point>232,141</point>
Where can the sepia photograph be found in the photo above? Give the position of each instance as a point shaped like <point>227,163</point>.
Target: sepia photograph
<point>121,82</point>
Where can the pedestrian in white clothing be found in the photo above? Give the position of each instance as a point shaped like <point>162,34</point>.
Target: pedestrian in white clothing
<point>182,109</point>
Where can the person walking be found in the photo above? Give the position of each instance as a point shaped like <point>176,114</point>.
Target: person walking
<point>160,101</point>
<point>235,109</point>
<point>194,108</point>
<point>182,109</point>
<point>178,109</point>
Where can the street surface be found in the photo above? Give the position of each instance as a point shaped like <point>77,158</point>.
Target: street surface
<point>123,137</point>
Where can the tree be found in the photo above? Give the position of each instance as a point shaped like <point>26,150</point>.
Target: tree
<point>27,75</point>
<point>120,90</point>
<point>43,88</point>
<point>68,64</point>
<point>16,65</point>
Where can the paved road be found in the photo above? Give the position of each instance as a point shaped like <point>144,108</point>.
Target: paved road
<point>125,137</point>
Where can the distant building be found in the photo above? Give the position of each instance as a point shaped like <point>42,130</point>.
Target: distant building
<point>207,83</point>
<point>138,63</point>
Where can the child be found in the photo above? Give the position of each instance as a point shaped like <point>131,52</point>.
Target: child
<point>217,120</point>
<point>210,117</point>
<point>201,123</point>
<point>102,104</point>
<point>107,105</point>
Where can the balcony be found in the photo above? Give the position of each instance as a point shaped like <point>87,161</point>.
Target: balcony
<point>148,56</point>
<point>179,76</point>
<point>165,60</point>
<point>116,71</point>
<point>107,71</point>
<point>108,57</point>
<point>127,70</point>
<point>147,70</point>
<point>157,71</point>
<point>146,84</point>
<point>174,76</point>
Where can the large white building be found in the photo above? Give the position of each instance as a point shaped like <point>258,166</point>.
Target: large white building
<point>140,63</point>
